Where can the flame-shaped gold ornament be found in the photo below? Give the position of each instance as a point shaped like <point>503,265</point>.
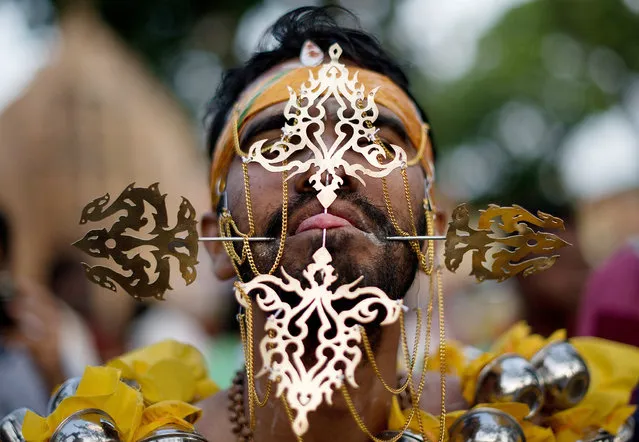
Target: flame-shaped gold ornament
<point>140,242</point>
<point>513,237</point>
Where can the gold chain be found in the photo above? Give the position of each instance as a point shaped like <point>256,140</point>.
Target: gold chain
<point>408,359</point>
<point>442,353</point>
<point>248,352</point>
<point>246,334</point>
<point>362,426</point>
<point>427,262</point>
<point>289,414</point>
<point>228,225</point>
<point>415,396</point>
<point>422,146</point>
<point>250,365</point>
<point>284,230</point>
<point>391,215</point>
<point>249,211</point>
<point>430,231</point>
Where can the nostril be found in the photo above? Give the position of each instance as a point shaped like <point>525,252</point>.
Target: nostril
<point>303,183</point>
<point>347,183</point>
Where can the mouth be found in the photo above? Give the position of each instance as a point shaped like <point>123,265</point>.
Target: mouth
<point>322,221</point>
<point>340,216</point>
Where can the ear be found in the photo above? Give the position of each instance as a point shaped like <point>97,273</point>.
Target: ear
<point>222,265</point>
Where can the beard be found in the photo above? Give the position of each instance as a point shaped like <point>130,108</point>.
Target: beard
<point>388,265</point>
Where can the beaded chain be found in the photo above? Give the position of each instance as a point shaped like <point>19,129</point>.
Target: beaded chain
<point>237,415</point>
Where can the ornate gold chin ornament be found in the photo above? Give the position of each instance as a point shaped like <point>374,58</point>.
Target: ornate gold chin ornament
<point>338,352</point>
<point>142,245</point>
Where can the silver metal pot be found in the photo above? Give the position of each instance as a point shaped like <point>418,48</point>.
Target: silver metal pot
<point>626,431</point>
<point>510,378</point>
<point>564,375</point>
<point>172,433</point>
<point>486,425</point>
<point>90,425</point>
<point>408,436</point>
<point>11,426</point>
<point>68,388</point>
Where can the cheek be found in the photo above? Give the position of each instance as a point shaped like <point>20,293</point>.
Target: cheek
<point>265,191</point>
<point>397,195</point>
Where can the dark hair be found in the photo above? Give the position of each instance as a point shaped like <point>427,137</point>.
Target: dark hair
<point>5,239</point>
<point>289,32</point>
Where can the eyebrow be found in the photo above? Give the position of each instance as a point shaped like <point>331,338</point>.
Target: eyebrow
<point>393,124</point>
<point>272,122</point>
<point>277,122</point>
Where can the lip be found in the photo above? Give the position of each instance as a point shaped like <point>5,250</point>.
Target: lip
<point>340,215</point>
<point>322,221</point>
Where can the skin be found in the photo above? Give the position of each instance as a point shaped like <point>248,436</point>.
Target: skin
<point>356,250</point>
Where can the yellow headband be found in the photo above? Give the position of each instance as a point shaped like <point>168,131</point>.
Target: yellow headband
<point>274,89</point>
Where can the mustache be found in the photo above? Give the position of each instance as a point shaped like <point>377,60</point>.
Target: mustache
<point>381,223</point>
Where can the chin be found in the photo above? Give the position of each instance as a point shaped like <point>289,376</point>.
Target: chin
<point>354,254</point>
<point>350,248</point>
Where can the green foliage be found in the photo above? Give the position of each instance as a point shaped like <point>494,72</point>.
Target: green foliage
<point>464,110</point>
<point>540,54</point>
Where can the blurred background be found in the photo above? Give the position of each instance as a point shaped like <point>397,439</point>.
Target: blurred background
<point>532,102</point>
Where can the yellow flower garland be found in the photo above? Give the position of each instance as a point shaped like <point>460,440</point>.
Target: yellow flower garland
<point>168,370</point>
<point>170,375</point>
<point>99,388</point>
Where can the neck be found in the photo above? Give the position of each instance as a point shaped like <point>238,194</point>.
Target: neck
<point>335,422</point>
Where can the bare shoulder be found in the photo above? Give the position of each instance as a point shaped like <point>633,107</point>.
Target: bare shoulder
<point>214,423</point>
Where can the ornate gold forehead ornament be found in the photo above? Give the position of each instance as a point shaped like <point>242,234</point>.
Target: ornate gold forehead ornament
<point>142,245</point>
<point>308,113</point>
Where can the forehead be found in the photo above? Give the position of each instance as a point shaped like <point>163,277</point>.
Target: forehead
<point>387,119</point>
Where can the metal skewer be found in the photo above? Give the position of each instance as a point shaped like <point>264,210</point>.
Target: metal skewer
<point>235,238</point>
<point>265,238</point>
<point>418,238</point>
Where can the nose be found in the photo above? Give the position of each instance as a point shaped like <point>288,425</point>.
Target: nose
<point>312,181</point>
<point>329,172</point>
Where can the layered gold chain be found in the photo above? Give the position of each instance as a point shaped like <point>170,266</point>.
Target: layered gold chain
<point>408,359</point>
<point>289,415</point>
<point>246,334</point>
<point>442,354</point>
<point>228,227</point>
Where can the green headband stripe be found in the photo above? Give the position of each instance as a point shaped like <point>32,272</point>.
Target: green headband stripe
<point>260,91</point>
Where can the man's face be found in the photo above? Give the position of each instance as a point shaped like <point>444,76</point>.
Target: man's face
<point>357,222</point>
